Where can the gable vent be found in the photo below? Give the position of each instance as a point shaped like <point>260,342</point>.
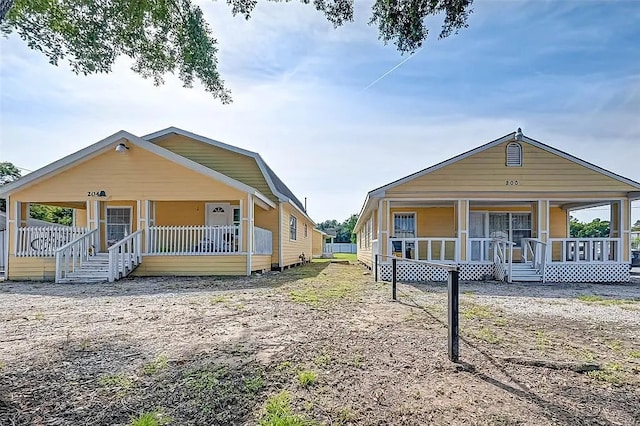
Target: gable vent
<point>514,155</point>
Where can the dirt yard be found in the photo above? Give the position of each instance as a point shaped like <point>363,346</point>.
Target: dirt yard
<point>319,344</point>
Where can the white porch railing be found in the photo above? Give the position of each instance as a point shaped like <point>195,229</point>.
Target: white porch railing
<point>262,241</point>
<point>503,259</point>
<point>193,240</point>
<point>72,255</point>
<point>125,255</point>
<point>43,241</point>
<point>584,250</point>
<point>534,251</point>
<point>428,249</point>
<point>480,249</point>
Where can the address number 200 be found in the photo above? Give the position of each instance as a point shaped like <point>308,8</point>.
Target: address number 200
<point>511,183</point>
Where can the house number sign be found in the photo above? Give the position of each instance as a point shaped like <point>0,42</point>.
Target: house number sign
<point>511,183</point>
<point>96,194</point>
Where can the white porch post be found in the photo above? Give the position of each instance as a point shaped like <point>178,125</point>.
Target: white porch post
<point>462,210</point>
<point>16,224</point>
<point>7,239</point>
<point>147,223</point>
<point>250,211</point>
<point>379,218</point>
<point>625,211</point>
<point>543,220</point>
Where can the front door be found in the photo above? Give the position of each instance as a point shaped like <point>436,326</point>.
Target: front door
<point>118,224</point>
<point>218,214</point>
<point>478,229</point>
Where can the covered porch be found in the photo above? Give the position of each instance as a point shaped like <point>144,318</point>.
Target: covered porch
<point>510,239</point>
<point>143,237</point>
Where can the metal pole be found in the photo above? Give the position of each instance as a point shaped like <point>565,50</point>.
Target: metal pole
<point>393,279</point>
<point>453,315</point>
<point>375,266</point>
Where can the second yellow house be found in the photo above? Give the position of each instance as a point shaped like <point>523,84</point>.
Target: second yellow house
<point>169,203</point>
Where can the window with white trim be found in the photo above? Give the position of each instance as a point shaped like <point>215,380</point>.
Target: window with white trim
<point>510,226</point>
<point>514,155</point>
<point>404,225</point>
<point>293,228</point>
<point>118,223</point>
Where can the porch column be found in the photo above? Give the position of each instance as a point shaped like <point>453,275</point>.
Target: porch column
<point>615,223</point>
<point>535,230</point>
<point>385,223</point>
<point>543,220</point>
<point>625,216</point>
<point>250,215</point>
<point>24,214</point>
<point>10,232</point>
<point>17,208</point>
<point>100,220</point>
<point>462,219</point>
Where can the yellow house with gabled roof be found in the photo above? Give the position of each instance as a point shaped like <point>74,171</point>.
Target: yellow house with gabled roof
<point>169,203</point>
<point>501,210</point>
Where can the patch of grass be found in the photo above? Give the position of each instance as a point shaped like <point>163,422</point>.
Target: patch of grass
<point>151,418</point>
<point>223,298</point>
<point>488,335</point>
<point>283,366</point>
<point>358,360</point>
<point>39,316</point>
<point>317,295</point>
<point>351,257</point>
<point>473,311</point>
<point>277,412</point>
<point>587,355</point>
<point>205,379</point>
<point>599,300</point>
<point>3,365</point>
<point>632,354</point>
<point>254,384</point>
<point>307,378</point>
<point>500,322</point>
<point>120,382</point>
<point>345,416</point>
<point>615,345</point>
<point>468,293</point>
<point>156,365</point>
<point>542,341</point>
<point>322,360</point>
<point>612,374</point>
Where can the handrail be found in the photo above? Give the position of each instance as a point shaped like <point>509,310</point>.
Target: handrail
<point>580,249</point>
<point>73,254</point>
<point>538,250</point>
<point>500,256</point>
<point>43,241</point>
<point>125,255</point>
<point>429,247</point>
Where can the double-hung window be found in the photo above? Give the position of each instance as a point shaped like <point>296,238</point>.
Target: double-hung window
<point>510,226</point>
<point>404,225</point>
<point>293,228</point>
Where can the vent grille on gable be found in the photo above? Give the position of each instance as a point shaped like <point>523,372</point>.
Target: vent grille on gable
<point>514,155</point>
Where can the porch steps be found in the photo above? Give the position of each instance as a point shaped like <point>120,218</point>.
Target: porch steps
<point>525,272</point>
<point>95,270</point>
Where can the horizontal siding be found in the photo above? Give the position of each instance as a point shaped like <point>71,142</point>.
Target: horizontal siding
<point>32,268</point>
<point>558,223</point>
<point>317,244</point>
<point>192,265</point>
<point>364,256</point>
<point>291,250</point>
<point>260,262</point>
<point>135,175</point>
<point>237,166</point>
<point>486,171</point>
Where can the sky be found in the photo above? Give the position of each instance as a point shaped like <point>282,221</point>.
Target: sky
<point>321,107</point>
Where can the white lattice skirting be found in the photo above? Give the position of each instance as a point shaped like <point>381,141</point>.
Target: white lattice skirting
<point>412,271</point>
<point>476,271</point>
<point>587,273</point>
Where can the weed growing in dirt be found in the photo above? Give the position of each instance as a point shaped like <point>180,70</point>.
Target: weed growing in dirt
<point>151,418</point>
<point>205,379</point>
<point>277,412</point>
<point>488,335</point>
<point>156,365</point>
<point>593,298</point>
<point>307,378</point>
<point>473,311</point>
<point>611,373</point>
<point>358,360</point>
<point>322,360</point>
<point>500,322</point>
<point>219,299</point>
<point>468,293</point>
<point>283,366</point>
<point>39,316</point>
<point>587,355</point>
<point>542,341</point>
<point>632,354</point>
<point>254,384</point>
<point>120,382</point>
<point>615,345</point>
<point>346,416</point>
<point>3,365</point>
